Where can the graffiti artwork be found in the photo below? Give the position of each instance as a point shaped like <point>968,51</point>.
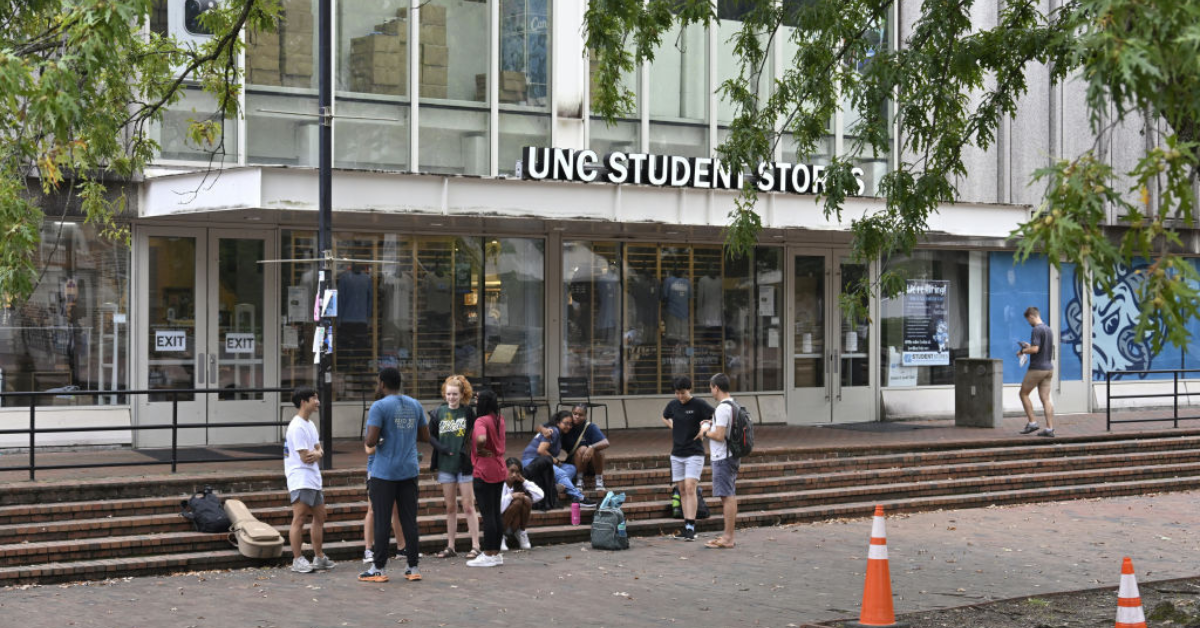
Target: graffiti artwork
<point>1115,346</point>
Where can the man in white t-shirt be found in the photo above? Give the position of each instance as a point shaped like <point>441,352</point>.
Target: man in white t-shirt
<point>724,466</point>
<point>301,454</point>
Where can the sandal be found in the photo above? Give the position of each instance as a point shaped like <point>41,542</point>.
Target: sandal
<point>718,544</point>
<point>474,553</point>
<point>447,553</point>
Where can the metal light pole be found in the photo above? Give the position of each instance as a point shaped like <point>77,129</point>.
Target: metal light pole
<point>325,214</point>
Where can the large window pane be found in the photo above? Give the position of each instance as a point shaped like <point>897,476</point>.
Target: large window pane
<point>622,136</point>
<point>765,309</point>
<point>525,53</point>
<point>1012,287</point>
<point>966,309</point>
<point>435,306</point>
<point>372,77</point>
<point>592,314</point>
<point>514,309</point>
<point>688,140</point>
<point>196,106</point>
<point>1115,346</point>
<point>679,76</point>
<point>729,24</point>
<point>281,106</point>
<point>518,131</point>
<point>454,87</point>
<point>72,333</point>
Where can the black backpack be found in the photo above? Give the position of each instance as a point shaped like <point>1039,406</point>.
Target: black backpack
<point>740,436</point>
<point>205,512</point>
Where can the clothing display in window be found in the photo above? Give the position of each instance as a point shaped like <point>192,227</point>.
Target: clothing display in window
<point>676,292</point>
<point>438,296</point>
<point>354,296</point>
<point>708,302</point>
<point>607,301</point>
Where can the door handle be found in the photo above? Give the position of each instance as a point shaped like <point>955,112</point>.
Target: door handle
<point>212,369</point>
<point>828,374</point>
<point>201,369</point>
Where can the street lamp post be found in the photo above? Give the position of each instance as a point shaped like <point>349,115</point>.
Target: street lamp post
<point>325,214</point>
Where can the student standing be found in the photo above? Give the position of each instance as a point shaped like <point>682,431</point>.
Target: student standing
<point>487,458</point>
<point>301,453</point>
<point>394,425</point>
<point>684,415</point>
<point>452,423</point>
<point>724,466</point>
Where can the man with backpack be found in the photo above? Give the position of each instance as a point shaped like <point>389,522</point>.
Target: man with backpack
<point>724,463</point>
<point>301,453</point>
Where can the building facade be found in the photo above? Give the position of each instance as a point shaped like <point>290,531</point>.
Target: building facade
<point>462,264</point>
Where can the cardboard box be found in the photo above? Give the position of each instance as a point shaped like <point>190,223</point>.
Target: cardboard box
<point>264,77</point>
<point>433,75</point>
<point>397,27</point>
<point>291,80</point>
<point>298,67</point>
<point>433,14</point>
<point>435,55</point>
<point>376,44</point>
<point>263,60</point>
<point>433,91</point>
<point>435,35</point>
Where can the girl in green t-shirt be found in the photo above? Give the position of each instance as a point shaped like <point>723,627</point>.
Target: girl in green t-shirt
<point>449,430</point>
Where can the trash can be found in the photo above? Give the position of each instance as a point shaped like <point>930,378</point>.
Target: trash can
<point>978,388</point>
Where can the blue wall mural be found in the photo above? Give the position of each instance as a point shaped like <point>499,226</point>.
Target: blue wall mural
<point>1012,287</point>
<point>1114,345</point>
<point>1070,351</point>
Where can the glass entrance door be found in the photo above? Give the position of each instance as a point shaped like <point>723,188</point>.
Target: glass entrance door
<point>832,378</point>
<point>203,312</point>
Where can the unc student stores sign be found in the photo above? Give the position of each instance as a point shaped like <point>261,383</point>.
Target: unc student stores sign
<point>586,166</point>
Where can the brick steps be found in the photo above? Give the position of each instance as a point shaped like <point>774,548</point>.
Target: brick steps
<point>118,537</point>
<point>161,514</point>
<point>349,551</point>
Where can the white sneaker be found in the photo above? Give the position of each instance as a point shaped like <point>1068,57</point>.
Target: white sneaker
<point>523,539</point>
<point>483,560</point>
<point>301,565</point>
<point>503,544</point>
<point>368,557</point>
<point>322,562</point>
<point>599,483</point>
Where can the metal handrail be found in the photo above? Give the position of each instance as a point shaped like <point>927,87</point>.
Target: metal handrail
<point>1174,395</point>
<point>175,426</point>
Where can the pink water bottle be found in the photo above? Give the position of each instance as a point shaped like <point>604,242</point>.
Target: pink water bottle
<point>574,513</point>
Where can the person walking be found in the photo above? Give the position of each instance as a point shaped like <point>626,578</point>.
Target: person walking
<point>1040,375</point>
<point>452,422</point>
<point>487,458</point>
<point>724,466</point>
<point>301,453</point>
<point>394,425</point>
<point>685,415</point>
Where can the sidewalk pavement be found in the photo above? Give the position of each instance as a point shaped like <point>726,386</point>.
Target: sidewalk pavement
<point>818,437</point>
<point>776,577</point>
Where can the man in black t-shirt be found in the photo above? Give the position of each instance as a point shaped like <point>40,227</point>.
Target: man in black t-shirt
<point>685,416</point>
<point>1040,375</point>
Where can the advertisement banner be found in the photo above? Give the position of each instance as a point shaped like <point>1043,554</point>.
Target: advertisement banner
<point>926,325</point>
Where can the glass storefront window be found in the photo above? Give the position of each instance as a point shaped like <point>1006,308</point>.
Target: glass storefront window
<point>635,316</point>
<point>624,135</point>
<point>455,65</point>
<point>518,130</point>
<point>678,98</point>
<point>196,106</point>
<point>966,311</point>
<point>73,332</point>
<point>1012,287</point>
<point>525,53</point>
<point>729,24</point>
<point>372,83</point>
<point>433,307</point>
<point>281,103</point>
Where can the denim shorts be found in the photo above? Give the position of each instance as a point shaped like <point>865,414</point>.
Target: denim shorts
<point>686,468</point>
<point>454,478</point>
<point>724,476</point>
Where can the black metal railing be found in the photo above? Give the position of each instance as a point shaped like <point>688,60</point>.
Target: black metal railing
<point>175,426</point>
<point>1174,395</point>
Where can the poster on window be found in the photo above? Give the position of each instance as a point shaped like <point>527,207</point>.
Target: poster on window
<point>926,325</point>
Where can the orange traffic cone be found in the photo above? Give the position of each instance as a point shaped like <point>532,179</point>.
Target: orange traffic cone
<point>877,592</point>
<point>1129,602</point>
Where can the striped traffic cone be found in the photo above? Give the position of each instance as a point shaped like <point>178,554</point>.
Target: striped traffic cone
<point>1129,602</point>
<point>877,591</point>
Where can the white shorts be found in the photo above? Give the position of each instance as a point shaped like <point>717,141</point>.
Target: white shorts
<point>689,468</point>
